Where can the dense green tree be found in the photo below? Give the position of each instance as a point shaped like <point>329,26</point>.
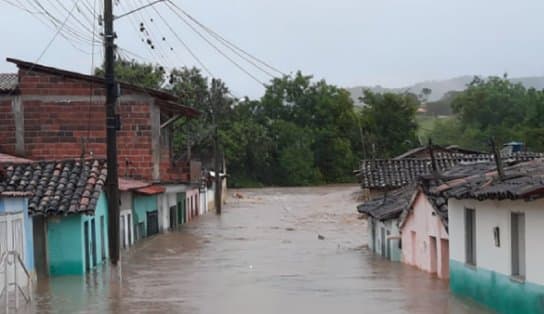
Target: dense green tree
<point>142,74</point>
<point>496,108</point>
<point>388,121</point>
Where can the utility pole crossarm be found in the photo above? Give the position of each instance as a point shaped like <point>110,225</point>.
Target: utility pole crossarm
<point>138,9</point>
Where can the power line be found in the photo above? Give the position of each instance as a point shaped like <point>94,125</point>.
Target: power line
<point>46,48</point>
<point>189,50</point>
<point>152,53</point>
<point>229,44</point>
<point>241,68</point>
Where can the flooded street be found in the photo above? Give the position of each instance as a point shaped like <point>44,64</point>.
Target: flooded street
<point>263,255</point>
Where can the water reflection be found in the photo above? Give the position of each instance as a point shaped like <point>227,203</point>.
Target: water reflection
<point>262,255</point>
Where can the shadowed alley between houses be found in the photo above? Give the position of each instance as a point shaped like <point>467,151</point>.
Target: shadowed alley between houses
<point>274,250</point>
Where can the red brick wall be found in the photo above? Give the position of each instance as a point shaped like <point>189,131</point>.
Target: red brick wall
<point>55,130</point>
<point>7,126</point>
<point>179,171</point>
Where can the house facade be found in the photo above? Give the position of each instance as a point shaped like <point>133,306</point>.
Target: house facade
<point>51,114</point>
<point>384,215</point>
<point>495,228</point>
<point>67,232</point>
<point>425,241</point>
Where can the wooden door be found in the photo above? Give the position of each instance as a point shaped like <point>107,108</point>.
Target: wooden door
<point>152,223</point>
<point>86,244</point>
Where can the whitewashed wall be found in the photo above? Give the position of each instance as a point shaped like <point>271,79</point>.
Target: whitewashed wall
<point>490,214</point>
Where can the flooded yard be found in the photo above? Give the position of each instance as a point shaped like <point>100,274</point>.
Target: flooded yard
<point>274,250</point>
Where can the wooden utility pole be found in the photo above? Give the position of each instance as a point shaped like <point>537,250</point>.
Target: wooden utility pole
<point>433,159</point>
<point>218,186</point>
<point>498,158</point>
<point>112,184</point>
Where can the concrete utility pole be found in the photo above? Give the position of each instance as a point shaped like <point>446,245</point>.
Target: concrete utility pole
<point>112,184</point>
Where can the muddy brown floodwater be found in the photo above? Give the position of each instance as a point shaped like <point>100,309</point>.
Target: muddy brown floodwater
<point>263,255</point>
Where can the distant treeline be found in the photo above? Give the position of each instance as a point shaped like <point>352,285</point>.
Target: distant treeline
<point>300,132</point>
<point>494,107</point>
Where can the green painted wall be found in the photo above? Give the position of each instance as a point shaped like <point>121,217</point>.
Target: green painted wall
<point>65,241</point>
<point>496,291</point>
<point>182,215</point>
<point>100,211</point>
<point>65,245</point>
<point>142,205</point>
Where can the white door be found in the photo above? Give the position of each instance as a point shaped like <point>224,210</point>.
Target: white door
<point>12,238</point>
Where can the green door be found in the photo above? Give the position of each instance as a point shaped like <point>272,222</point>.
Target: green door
<point>181,208</point>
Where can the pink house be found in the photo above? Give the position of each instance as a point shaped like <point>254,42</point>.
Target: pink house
<point>424,232</point>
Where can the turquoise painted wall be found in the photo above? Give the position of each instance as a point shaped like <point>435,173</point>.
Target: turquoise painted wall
<point>65,245</point>
<point>100,211</point>
<point>65,241</point>
<point>495,290</point>
<point>142,205</point>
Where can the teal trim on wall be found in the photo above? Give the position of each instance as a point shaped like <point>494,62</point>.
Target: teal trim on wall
<point>495,290</point>
<point>142,205</point>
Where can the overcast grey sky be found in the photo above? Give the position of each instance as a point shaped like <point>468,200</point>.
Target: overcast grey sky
<point>348,42</point>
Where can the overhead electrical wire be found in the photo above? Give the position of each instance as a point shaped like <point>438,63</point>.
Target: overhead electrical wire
<point>46,48</point>
<point>226,42</point>
<point>241,68</point>
<point>184,44</point>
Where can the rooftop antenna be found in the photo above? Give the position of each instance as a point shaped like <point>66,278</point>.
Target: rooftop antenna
<point>498,159</point>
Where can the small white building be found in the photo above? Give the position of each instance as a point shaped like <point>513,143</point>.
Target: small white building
<point>496,229</point>
<point>383,220</point>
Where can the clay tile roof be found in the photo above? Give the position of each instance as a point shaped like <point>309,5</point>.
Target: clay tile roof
<point>8,82</point>
<point>390,205</point>
<point>520,181</point>
<point>56,187</point>
<point>395,173</point>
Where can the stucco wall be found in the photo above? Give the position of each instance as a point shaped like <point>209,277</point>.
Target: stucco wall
<point>65,245</point>
<point>142,205</point>
<point>421,225</point>
<point>489,282</point>
<point>65,241</point>
<point>490,214</point>
<point>390,226</point>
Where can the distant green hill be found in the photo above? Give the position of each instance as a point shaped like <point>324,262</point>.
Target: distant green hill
<point>441,87</point>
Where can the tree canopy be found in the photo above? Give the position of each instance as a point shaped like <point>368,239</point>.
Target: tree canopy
<point>300,132</point>
<point>388,123</point>
<point>496,108</point>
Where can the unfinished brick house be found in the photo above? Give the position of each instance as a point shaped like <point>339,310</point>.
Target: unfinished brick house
<point>48,113</point>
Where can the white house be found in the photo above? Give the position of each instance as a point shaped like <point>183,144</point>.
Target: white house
<point>496,229</point>
<point>383,219</point>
